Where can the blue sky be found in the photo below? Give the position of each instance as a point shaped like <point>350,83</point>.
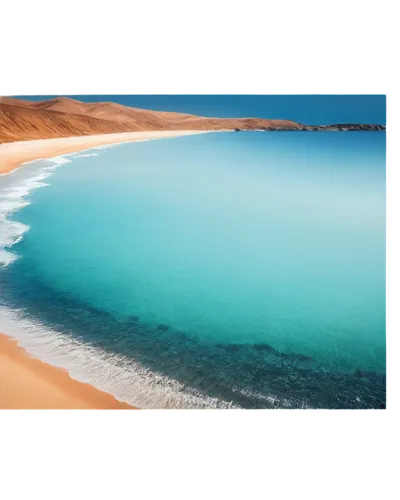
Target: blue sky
<point>308,109</point>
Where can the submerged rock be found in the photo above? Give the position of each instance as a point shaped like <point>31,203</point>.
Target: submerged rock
<point>162,328</point>
<point>265,347</point>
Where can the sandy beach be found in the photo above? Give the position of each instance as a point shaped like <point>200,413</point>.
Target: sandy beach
<point>13,154</point>
<point>27,383</point>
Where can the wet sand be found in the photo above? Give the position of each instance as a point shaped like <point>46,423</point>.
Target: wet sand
<point>28,383</point>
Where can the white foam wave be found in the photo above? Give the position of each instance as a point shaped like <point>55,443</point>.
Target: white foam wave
<point>106,146</point>
<point>6,257</point>
<point>123,377</point>
<point>272,399</point>
<point>15,188</point>
<point>87,155</point>
<point>11,232</point>
<point>59,160</point>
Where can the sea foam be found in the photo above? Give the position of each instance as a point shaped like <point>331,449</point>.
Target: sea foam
<point>15,188</point>
<point>87,155</point>
<point>118,375</point>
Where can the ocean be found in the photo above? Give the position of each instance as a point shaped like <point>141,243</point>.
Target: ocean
<point>224,270</point>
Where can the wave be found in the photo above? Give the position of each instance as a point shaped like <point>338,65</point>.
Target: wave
<point>124,378</point>
<point>106,146</point>
<point>87,155</point>
<point>11,233</point>
<point>15,188</point>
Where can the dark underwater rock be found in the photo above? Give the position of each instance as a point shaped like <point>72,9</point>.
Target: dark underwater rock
<point>162,328</point>
<point>265,347</point>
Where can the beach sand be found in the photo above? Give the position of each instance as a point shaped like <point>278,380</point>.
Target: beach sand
<point>28,383</point>
<point>13,154</point>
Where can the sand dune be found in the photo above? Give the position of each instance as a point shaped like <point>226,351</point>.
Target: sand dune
<point>63,117</point>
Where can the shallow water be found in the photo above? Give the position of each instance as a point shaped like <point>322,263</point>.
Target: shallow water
<point>217,270</point>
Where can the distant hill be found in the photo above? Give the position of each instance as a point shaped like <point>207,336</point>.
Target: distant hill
<point>64,117</point>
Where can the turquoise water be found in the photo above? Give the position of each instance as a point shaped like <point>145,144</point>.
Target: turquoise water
<point>243,269</point>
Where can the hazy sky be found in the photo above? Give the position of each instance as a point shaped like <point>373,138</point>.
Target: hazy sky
<point>308,109</point>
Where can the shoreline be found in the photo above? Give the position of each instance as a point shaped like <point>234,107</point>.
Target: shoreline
<point>27,382</point>
<point>14,154</point>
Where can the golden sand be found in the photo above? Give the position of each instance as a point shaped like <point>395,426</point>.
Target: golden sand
<point>28,383</point>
